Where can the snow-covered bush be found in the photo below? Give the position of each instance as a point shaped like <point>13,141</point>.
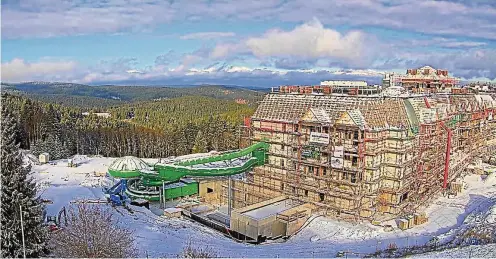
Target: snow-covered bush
<point>190,251</point>
<point>92,232</point>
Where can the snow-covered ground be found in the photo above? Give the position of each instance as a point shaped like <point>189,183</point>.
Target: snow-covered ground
<point>483,251</point>
<point>323,237</point>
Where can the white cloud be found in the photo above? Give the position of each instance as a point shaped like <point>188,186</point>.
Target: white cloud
<point>463,44</point>
<point>20,70</point>
<point>225,50</point>
<point>310,40</point>
<point>48,18</point>
<point>207,35</point>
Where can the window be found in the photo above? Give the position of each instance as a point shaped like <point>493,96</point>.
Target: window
<point>321,196</point>
<point>355,135</point>
<point>282,186</point>
<point>353,178</point>
<point>354,161</point>
<point>324,171</point>
<point>210,190</point>
<point>282,162</point>
<point>306,193</point>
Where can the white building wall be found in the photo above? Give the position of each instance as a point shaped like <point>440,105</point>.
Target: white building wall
<point>339,83</point>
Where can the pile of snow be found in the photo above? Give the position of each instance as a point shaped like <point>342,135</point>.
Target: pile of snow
<point>90,181</point>
<point>28,158</point>
<point>491,215</point>
<point>79,159</point>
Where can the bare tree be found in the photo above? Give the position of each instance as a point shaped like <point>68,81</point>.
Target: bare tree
<point>190,251</point>
<point>91,232</point>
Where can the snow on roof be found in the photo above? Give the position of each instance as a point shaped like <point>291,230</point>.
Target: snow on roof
<point>188,180</point>
<point>270,209</point>
<point>174,185</point>
<point>128,163</point>
<point>148,171</point>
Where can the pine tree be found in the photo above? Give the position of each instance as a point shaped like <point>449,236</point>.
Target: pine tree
<point>18,192</point>
<point>201,143</point>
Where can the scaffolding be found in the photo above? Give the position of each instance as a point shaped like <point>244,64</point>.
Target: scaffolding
<point>384,156</point>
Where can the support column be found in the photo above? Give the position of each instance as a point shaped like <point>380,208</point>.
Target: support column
<point>160,192</point>
<point>229,196</point>
<point>163,193</point>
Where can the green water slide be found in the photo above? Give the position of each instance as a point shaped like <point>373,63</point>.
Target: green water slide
<point>255,155</point>
<point>157,174</point>
<point>146,181</point>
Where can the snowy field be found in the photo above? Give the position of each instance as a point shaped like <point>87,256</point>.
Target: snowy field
<point>323,237</point>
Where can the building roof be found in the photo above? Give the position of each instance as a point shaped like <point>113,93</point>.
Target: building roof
<point>365,111</point>
<point>128,163</point>
<point>373,112</point>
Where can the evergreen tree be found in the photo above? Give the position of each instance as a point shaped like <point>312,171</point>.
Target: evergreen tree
<point>201,143</point>
<point>18,191</point>
<point>53,146</point>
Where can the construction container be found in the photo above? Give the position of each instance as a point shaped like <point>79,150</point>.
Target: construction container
<point>411,221</point>
<point>44,158</point>
<point>403,224</point>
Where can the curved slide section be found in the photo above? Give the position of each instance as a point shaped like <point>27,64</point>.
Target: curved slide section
<point>171,173</point>
<point>144,180</point>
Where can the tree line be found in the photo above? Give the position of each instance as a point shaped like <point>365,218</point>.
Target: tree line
<point>147,129</point>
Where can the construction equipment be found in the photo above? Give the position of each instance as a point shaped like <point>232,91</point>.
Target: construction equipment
<point>55,222</point>
<point>116,194</point>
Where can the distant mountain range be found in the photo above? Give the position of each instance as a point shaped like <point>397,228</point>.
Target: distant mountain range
<point>110,95</point>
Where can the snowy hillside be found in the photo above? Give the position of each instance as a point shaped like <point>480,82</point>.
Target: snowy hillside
<point>157,236</point>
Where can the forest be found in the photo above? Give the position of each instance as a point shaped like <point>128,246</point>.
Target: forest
<point>102,96</point>
<point>156,128</point>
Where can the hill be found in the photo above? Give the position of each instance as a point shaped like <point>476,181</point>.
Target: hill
<point>111,95</point>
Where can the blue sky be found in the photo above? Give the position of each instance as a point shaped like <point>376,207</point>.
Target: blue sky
<point>255,43</point>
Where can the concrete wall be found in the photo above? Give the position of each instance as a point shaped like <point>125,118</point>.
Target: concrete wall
<point>213,197</point>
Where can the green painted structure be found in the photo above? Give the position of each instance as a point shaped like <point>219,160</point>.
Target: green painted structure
<point>145,180</point>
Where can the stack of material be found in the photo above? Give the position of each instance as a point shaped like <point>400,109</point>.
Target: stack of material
<point>376,223</point>
<point>99,174</point>
<point>456,187</point>
<point>420,218</point>
<point>173,212</point>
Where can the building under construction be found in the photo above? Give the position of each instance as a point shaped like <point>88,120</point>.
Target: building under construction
<point>363,156</point>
